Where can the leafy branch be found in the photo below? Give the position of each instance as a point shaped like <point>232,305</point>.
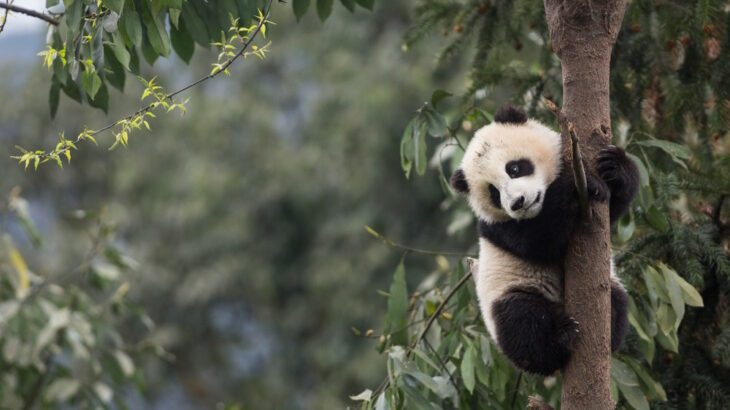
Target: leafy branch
<point>28,12</point>
<point>124,126</point>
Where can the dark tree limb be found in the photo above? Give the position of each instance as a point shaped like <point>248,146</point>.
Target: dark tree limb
<point>28,12</point>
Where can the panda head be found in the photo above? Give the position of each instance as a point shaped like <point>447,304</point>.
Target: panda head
<point>508,166</point>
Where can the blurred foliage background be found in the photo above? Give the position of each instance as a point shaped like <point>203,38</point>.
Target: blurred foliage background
<point>221,258</point>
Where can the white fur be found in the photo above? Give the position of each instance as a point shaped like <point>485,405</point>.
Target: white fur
<point>492,147</point>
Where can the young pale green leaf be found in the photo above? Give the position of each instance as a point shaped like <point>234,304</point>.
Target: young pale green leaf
<point>91,82</point>
<point>397,318</point>
<point>655,284</point>
<point>300,8</point>
<point>666,318</point>
<point>324,8</point>
<point>468,362</point>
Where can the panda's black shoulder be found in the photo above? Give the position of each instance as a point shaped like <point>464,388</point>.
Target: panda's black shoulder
<point>509,114</point>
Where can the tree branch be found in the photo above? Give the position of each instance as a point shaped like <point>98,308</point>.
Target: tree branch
<point>576,157</point>
<point>28,12</point>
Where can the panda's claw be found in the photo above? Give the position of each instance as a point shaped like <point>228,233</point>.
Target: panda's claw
<point>598,190</point>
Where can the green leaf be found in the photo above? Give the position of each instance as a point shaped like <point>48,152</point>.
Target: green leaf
<point>91,82</point>
<point>62,389</point>
<point>643,172</point>
<point>120,50</point>
<point>195,25</point>
<point>674,291</point>
<point>655,285</point>
<point>54,96</point>
<point>625,228</point>
<point>646,380</point>
<point>349,4</point>
<point>438,96</point>
<point>634,396</point>
<point>132,26</point>
<point>115,5</point>
<point>324,8</point>
<point>156,33</point>
<point>690,295</point>
<point>623,374</point>
<point>419,147</point>
<point>406,148</point>
<point>182,42</point>
<point>679,153</point>
<point>368,4</point>
<point>300,8</point>
<point>436,122</point>
<point>115,74</point>
<point>657,219</point>
<point>467,368</point>
<point>101,100</point>
<point>397,318</point>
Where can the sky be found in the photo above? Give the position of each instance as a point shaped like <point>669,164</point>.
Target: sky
<point>22,24</point>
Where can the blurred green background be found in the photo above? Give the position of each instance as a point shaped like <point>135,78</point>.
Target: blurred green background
<point>246,215</point>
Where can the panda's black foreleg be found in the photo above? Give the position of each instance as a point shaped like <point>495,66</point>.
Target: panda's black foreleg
<point>533,332</point>
<point>619,315</point>
<point>621,176</point>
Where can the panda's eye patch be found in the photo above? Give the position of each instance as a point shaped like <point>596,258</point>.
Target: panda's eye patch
<point>519,168</point>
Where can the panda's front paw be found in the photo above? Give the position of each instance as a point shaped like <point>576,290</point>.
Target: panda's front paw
<point>598,190</point>
<point>611,162</point>
<point>567,332</point>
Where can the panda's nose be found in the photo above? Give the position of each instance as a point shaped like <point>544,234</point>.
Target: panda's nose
<point>516,205</point>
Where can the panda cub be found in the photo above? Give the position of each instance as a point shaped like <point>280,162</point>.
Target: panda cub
<point>526,201</point>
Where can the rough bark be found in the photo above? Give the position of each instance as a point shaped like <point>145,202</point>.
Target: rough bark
<point>582,34</point>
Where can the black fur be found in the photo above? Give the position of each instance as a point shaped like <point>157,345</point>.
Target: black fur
<point>458,182</point>
<point>536,334</point>
<point>619,315</point>
<point>619,173</point>
<point>508,114</point>
<point>495,197</point>
<point>544,238</point>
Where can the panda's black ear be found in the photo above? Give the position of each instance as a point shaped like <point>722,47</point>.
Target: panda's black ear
<point>458,182</point>
<point>510,115</point>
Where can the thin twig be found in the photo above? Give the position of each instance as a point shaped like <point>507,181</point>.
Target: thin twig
<point>170,96</point>
<point>384,385</point>
<point>571,149</point>
<point>517,389</point>
<point>390,243</point>
<point>28,12</point>
<point>5,16</point>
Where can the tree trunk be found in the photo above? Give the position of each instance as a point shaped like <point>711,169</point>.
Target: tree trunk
<point>582,33</point>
